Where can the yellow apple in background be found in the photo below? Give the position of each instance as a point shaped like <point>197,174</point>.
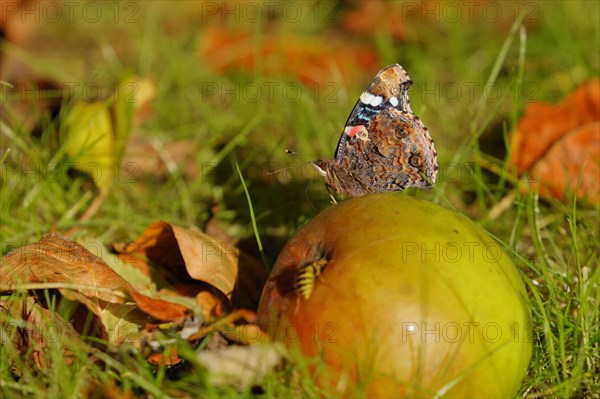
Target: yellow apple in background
<point>400,297</point>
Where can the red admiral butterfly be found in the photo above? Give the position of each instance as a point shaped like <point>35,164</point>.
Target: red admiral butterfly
<point>384,146</point>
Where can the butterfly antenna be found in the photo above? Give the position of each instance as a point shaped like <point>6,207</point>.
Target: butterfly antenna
<point>295,153</point>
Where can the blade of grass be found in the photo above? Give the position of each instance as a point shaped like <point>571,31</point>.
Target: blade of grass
<point>252,217</point>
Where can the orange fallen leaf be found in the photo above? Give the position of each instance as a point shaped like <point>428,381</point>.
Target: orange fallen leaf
<point>157,245</point>
<point>312,60</point>
<point>252,273</point>
<point>575,156</point>
<point>83,277</point>
<point>188,254</point>
<point>55,259</point>
<point>17,22</point>
<point>375,16</point>
<point>157,308</point>
<point>559,146</point>
<point>193,262</point>
<point>171,358</point>
<point>207,259</point>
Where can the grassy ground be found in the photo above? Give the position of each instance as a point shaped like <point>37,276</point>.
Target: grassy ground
<point>555,244</point>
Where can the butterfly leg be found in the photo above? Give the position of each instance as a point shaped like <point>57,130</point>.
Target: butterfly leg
<point>330,191</point>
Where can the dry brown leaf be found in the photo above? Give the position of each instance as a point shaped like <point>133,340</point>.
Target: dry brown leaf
<point>190,262</point>
<point>159,359</point>
<point>559,146</point>
<point>563,166</point>
<point>157,308</point>
<point>312,60</point>
<point>543,124</point>
<point>156,245</point>
<point>370,17</point>
<point>55,259</point>
<point>208,260</point>
<point>252,273</point>
<point>188,253</point>
<point>19,20</point>
<point>30,327</point>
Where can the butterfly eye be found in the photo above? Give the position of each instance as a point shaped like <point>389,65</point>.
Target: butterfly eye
<point>415,161</point>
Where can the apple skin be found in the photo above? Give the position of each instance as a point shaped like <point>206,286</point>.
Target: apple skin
<point>415,301</point>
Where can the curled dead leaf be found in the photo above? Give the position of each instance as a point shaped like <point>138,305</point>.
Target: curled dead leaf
<point>573,162</point>
<point>559,146</point>
<point>375,16</point>
<point>252,273</point>
<point>207,259</point>
<point>188,254</point>
<point>57,262</point>
<point>56,259</point>
<point>313,60</point>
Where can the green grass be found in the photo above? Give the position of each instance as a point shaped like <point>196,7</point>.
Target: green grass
<point>555,244</point>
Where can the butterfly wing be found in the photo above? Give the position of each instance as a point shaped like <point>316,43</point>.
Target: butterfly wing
<point>388,89</point>
<point>384,146</point>
<point>402,152</point>
<point>395,153</point>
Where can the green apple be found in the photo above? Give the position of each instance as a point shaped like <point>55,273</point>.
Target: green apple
<point>399,297</point>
